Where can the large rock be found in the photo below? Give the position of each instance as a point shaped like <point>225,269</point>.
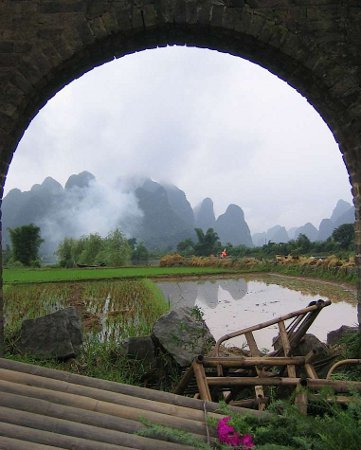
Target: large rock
<point>141,348</point>
<point>56,335</point>
<point>183,334</point>
<point>311,343</point>
<point>334,337</point>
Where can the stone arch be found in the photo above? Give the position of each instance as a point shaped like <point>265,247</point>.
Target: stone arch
<point>312,45</point>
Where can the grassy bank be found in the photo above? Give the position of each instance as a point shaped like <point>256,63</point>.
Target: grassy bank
<point>52,275</point>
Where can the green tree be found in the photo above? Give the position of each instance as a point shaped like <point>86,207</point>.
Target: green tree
<point>208,243</point>
<point>90,247</point>
<point>140,254</point>
<point>344,236</point>
<point>302,245</point>
<point>66,253</point>
<point>117,250</point>
<point>25,243</point>
<point>186,247</point>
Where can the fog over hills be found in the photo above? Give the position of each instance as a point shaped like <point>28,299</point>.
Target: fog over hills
<point>157,214</point>
<point>343,212</point>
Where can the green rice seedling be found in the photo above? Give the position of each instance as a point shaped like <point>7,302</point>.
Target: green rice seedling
<point>28,302</point>
<point>125,308</point>
<point>111,311</point>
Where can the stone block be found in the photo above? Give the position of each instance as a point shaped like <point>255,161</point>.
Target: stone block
<point>56,335</point>
<point>183,335</point>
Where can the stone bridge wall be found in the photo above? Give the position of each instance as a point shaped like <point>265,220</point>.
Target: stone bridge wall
<point>314,45</point>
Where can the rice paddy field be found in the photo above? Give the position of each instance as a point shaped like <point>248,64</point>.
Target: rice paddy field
<point>51,275</point>
<point>110,310</point>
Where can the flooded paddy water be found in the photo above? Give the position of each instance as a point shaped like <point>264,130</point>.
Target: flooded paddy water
<point>113,310</point>
<point>232,304</point>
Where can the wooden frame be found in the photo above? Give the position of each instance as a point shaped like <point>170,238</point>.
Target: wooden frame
<point>224,377</point>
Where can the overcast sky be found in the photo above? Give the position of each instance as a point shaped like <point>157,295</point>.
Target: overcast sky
<point>212,124</point>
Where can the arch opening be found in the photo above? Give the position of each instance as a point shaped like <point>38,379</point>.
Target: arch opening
<point>278,38</point>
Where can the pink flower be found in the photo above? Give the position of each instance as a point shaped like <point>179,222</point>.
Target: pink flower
<point>247,441</point>
<point>228,435</point>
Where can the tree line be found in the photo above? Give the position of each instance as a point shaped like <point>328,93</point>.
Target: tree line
<point>116,250</point>
<point>341,240</point>
<point>113,250</point>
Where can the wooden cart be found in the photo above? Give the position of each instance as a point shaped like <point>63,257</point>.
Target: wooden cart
<point>234,378</point>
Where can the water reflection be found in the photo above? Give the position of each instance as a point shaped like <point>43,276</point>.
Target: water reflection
<point>232,304</point>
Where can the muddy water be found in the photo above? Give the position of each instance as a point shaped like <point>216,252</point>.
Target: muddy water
<point>232,304</point>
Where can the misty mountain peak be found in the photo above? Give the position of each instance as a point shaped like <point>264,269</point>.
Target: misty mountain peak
<point>81,180</point>
<point>231,227</point>
<point>204,215</point>
<point>151,186</point>
<point>52,185</point>
<point>13,194</point>
<point>235,210</point>
<point>277,234</point>
<point>341,207</point>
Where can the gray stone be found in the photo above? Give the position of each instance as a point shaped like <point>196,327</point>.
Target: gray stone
<point>309,343</point>
<point>141,348</point>
<point>183,334</point>
<point>56,335</point>
<point>334,337</point>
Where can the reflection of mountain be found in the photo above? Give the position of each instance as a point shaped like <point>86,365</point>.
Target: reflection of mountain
<point>236,288</point>
<point>208,293</point>
<point>179,294</point>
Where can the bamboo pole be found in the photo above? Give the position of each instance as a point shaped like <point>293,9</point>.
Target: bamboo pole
<point>338,386</point>
<point>301,399</point>
<point>126,412</point>
<point>248,361</point>
<point>310,370</point>
<point>259,326</point>
<point>53,439</point>
<point>99,394</point>
<point>252,381</point>
<point>91,433</point>
<point>56,410</point>
<point>344,362</point>
<point>189,374</point>
<point>7,443</point>
<point>201,381</point>
<point>286,347</point>
<point>135,391</point>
